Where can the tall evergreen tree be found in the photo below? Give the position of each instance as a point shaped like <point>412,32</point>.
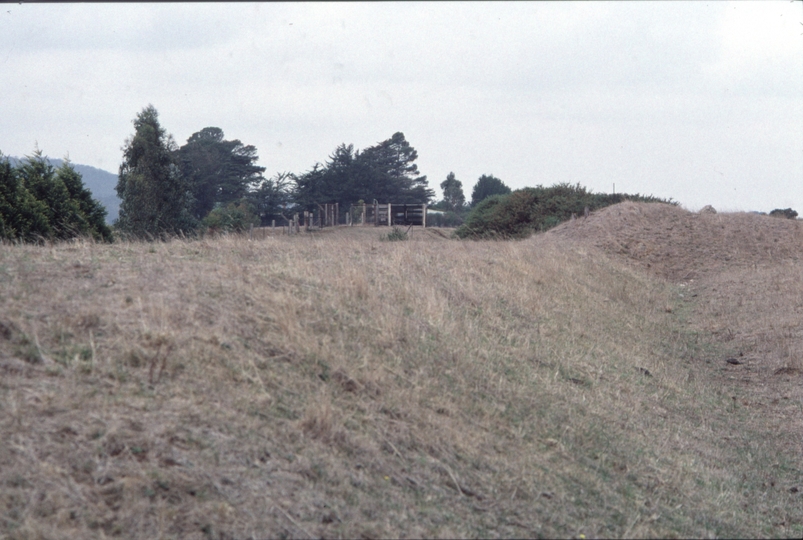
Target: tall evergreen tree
<point>272,197</point>
<point>386,172</point>
<point>38,201</point>
<point>217,171</point>
<point>453,195</point>
<point>155,198</point>
<point>39,178</point>
<point>309,188</point>
<point>92,212</point>
<point>22,216</point>
<point>394,173</point>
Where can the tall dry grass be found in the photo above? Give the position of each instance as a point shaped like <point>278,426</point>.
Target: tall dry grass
<point>337,385</point>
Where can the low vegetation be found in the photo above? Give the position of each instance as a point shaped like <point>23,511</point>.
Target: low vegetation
<point>524,211</point>
<point>330,384</point>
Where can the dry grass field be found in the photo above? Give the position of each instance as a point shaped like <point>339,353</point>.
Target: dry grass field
<point>575,384</point>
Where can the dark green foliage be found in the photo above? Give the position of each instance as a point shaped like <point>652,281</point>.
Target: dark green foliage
<point>393,173</point>
<point>385,172</point>
<point>787,213</point>
<point>234,217</point>
<point>22,216</point>
<point>272,197</point>
<point>156,200</point>
<point>343,179</point>
<point>100,184</point>
<point>39,178</point>
<point>524,211</point>
<point>500,216</point>
<point>217,171</point>
<point>486,186</point>
<point>38,201</point>
<point>453,196</point>
<point>91,213</point>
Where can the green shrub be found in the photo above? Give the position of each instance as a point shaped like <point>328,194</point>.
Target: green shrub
<point>234,217</point>
<point>527,210</point>
<point>395,235</point>
<point>787,213</point>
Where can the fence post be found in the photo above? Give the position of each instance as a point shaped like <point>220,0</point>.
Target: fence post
<point>390,216</point>
<point>251,232</point>
<point>273,224</point>
<point>425,216</point>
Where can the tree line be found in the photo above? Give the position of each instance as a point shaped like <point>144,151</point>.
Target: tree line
<point>211,183</point>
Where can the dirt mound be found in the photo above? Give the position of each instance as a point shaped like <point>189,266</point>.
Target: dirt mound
<point>680,245</point>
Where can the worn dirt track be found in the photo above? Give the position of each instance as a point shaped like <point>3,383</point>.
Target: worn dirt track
<point>743,276</point>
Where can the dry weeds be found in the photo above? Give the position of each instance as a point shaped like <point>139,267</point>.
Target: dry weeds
<point>336,385</point>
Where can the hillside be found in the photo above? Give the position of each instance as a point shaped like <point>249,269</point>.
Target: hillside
<point>333,384</point>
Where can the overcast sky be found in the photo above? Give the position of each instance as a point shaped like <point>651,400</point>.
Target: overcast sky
<point>698,101</point>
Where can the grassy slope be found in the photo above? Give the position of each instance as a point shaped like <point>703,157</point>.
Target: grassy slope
<point>336,385</point>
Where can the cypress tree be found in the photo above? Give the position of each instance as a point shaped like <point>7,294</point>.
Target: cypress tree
<point>155,197</point>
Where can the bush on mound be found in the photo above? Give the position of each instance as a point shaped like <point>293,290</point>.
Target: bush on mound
<point>787,213</point>
<point>528,210</point>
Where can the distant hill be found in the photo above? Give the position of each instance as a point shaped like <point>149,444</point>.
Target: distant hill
<point>101,183</point>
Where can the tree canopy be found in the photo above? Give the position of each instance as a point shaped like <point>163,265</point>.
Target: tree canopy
<point>156,199</point>
<point>272,197</point>
<point>217,171</point>
<point>386,172</point>
<point>486,186</point>
<point>453,196</point>
<point>38,201</point>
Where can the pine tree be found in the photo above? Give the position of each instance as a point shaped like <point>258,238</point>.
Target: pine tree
<point>218,171</point>
<point>38,201</point>
<point>92,213</point>
<point>394,174</point>
<point>385,172</point>
<point>453,193</point>
<point>155,197</point>
<point>22,217</point>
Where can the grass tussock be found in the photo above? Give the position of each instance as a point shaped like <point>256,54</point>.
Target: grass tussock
<point>337,385</point>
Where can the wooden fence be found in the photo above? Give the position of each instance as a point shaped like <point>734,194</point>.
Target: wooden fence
<point>328,215</point>
<point>387,214</point>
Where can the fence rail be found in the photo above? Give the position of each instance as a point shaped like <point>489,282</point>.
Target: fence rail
<point>387,214</point>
